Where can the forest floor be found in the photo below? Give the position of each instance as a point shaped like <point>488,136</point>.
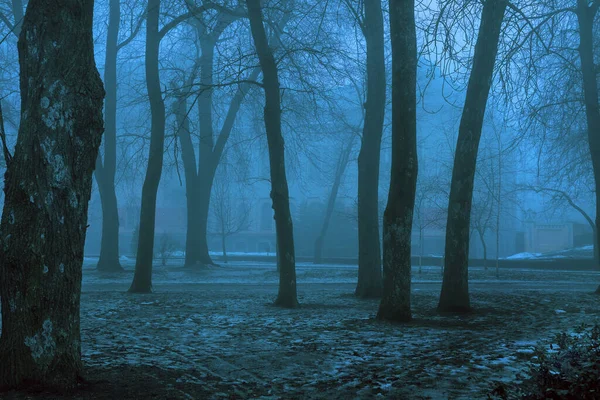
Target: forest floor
<point>214,334</point>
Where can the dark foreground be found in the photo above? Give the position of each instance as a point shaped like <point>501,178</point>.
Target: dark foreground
<point>214,334</point>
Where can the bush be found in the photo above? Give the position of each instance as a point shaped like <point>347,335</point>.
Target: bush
<point>570,370</point>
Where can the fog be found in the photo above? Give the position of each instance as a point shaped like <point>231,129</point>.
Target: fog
<point>413,185</point>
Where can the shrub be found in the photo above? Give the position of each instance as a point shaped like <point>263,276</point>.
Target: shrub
<point>570,370</point>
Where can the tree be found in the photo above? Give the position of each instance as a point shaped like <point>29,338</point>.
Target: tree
<point>484,199</point>
<point>428,214</point>
<point>340,167</point>
<point>200,178</point>
<point>230,208</point>
<point>142,279</point>
<point>369,248</point>
<point>279,188</point>
<point>48,185</point>
<point>586,13</point>
<point>398,215</point>
<point>454,296</point>
<point>166,246</point>
<point>106,168</point>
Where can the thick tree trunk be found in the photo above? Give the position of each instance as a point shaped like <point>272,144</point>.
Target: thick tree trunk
<point>369,248</point>
<point>455,287</point>
<point>398,215</point>
<point>105,171</point>
<point>109,250</point>
<point>585,15</point>
<point>193,248</point>
<point>142,279</point>
<point>339,173</point>
<point>206,177</point>
<point>48,185</point>
<point>279,188</point>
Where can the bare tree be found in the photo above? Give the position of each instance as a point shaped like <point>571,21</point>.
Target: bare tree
<point>279,187</point>
<point>142,279</point>
<point>230,208</point>
<point>48,185</point>
<point>398,215</point>
<point>340,168</point>
<point>106,168</point>
<point>369,253</point>
<point>455,287</point>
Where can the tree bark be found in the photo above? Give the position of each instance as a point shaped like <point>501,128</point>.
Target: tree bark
<point>398,215</point>
<point>369,248</point>
<point>48,185</point>
<point>142,279</point>
<point>105,171</point>
<point>339,173</point>
<point>482,239</point>
<point>455,286</point>
<point>279,188</point>
<point>585,15</point>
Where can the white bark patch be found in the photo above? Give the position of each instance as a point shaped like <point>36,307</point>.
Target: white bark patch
<point>56,163</point>
<point>42,345</point>
<point>56,115</point>
<point>61,268</point>
<point>45,269</point>
<point>31,199</point>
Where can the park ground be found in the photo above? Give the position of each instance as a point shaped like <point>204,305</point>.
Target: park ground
<point>214,334</point>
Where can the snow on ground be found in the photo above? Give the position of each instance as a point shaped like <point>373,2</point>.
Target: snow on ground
<point>214,333</point>
<point>523,256</point>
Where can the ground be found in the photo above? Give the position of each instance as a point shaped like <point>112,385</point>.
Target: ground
<point>214,334</point>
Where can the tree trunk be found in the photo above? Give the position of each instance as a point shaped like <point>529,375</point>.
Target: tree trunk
<point>482,239</point>
<point>193,190</point>
<point>398,215</point>
<point>223,240</point>
<point>455,286</point>
<point>208,163</point>
<point>48,185</point>
<point>142,279</point>
<point>197,252</point>
<point>206,178</point>
<point>585,15</point>
<point>105,173</point>
<point>369,248</point>
<point>420,249</point>
<point>279,188</point>
<point>339,173</point>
